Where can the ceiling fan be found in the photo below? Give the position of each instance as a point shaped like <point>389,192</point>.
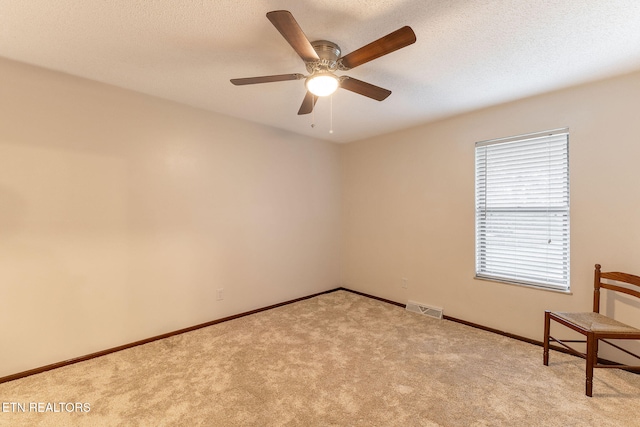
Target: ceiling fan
<point>322,59</point>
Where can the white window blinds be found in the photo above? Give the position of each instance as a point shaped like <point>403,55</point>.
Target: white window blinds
<point>522,209</point>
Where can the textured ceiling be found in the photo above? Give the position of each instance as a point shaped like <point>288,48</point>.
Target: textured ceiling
<point>468,54</point>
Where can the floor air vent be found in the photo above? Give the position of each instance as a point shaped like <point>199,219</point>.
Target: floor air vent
<point>419,308</point>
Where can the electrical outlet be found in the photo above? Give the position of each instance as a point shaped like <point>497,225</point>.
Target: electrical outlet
<point>405,283</point>
<point>220,294</point>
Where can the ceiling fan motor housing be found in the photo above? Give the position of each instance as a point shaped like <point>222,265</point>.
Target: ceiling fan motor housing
<point>328,52</point>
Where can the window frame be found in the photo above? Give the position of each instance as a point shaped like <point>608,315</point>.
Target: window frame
<point>483,212</point>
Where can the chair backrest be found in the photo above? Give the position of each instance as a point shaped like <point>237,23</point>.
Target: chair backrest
<point>629,279</point>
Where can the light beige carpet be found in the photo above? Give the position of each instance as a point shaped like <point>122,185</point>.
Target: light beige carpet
<point>339,359</point>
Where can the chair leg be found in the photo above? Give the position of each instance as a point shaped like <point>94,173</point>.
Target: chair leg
<point>591,354</point>
<point>545,352</point>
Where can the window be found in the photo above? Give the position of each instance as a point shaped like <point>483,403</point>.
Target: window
<point>522,209</point>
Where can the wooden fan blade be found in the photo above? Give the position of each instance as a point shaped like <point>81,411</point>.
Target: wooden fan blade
<point>384,45</point>
<point>285,23</point>
<point>266,79</point>
<point>364,88</point>
<point>308,103</point>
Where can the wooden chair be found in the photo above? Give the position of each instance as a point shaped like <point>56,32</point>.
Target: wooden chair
<point>595,326</point>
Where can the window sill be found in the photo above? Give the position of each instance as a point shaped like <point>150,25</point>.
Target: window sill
<point>524,285</point>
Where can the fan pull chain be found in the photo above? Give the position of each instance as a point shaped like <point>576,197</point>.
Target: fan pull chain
<point>313,116</point>
<point>331,114</point>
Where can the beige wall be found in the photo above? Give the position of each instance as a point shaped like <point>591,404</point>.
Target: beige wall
<point>408,206</point>
<point>120,215</point>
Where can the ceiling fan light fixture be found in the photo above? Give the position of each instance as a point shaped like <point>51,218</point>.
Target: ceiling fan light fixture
<point>322,84</point>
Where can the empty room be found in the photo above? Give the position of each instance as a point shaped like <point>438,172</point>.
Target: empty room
<point>319,213</point>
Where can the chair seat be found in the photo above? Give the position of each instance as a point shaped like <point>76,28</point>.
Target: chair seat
<point>597,322</point>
